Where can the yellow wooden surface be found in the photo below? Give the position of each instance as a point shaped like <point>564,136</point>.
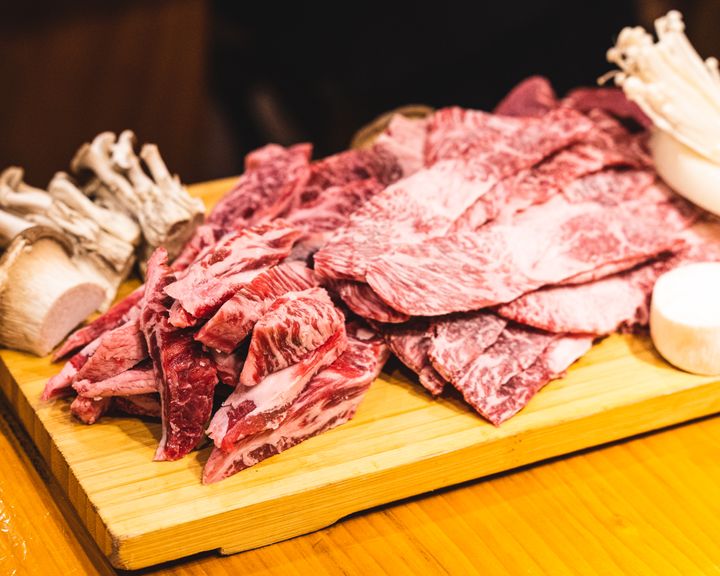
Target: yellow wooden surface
<point>400,444</point>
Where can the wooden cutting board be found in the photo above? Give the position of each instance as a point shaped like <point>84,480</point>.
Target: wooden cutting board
<point>400,443</point>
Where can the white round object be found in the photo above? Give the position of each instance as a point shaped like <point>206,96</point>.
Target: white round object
<point>685,317</point>
<point>686,171</point>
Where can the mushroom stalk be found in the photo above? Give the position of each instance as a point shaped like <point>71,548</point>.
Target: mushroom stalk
<point>666,77</point>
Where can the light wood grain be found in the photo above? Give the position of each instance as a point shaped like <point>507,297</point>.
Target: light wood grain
<point>400,444</point>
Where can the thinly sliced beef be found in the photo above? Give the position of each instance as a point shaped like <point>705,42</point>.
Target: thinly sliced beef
<point>599,307</point>
<point>460,339</point>
<point>118,314</point>
<point>610,100</point>
<point>329,400</point>
<point>552,363</point>
<point>236,317</point>
<point>514,351</point>
<point>251,410</point>
<point>411,343</point>
<point>232,263</point>
<point>534,96</point>
<point>544,245</point>
<point>607,145</point>
<point>89,410</point>
<point>427,203</point>
<point>61,383</point>
<point>615,302</point>
<point>360,298</point>
<point>293,326</point>
<point>141,405</point>
<point>269,171</point>
<point>404,138</point>
<point>184,372</point>
<point>140,380</point>
<point>118,350</point>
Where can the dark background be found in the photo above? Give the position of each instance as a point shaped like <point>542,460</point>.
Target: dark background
<point>209,81</point>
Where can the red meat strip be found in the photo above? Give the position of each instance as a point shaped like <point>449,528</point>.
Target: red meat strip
<point>546,244</point>
<point>251,410</point>
<point>139,380</point>
<point>611,100</point>
<point>269,172</point>
<point>427,203</point>
<point>236,317</point>
<point>329,400</point>
<point>118,314</point>
<point>61,383</point>
<point>89,410</point>
<point>460,339</point>
<point>534,96</point>
<point>360,298</point>
<point>404,138</point>
<point>552,363</point>
<point>140,405</point>
<point>233,262</point>
<point>481,384</point>
<point>119,350</point>
<point>184,372</point>
<point>338,170</point>
<point>411,343</point>
<point>293,326</point>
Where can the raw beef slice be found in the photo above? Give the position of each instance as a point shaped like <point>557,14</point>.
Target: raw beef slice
<point>184,372</point>
<point>293,326</point>
<point>329,400</point>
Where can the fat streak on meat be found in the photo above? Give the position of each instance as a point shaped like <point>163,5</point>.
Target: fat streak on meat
<point>250,410</point>
<point>139,380</point>
<point>229,326</point>
<point>233,262</point>
<point>293,326</point>
<point>329,400</point>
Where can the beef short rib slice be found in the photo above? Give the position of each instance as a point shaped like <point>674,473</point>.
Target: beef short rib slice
<point>184,372</point>
<point>459,339</point>
<point>268,172</point>
<point>360,298</point>
<point>534,96</point>
<point>231,324</point>
<point>329,400</point>
<point>139,380</point>
<point>404,138</point>
<point>232,262</point>
<point>118,314</point>
<point>119,349</point>
<point>251,410</point>
<point>293,326</point>
<point>514,351</point>
<point>61,383</point>
<point>410,342</point>
<point>552,363</point>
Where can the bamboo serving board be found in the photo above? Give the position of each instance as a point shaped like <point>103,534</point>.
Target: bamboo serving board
<point>400,443</point>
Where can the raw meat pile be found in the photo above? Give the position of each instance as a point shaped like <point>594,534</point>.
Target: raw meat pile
<point>487,251</point>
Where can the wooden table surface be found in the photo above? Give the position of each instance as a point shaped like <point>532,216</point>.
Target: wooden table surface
<point>648,505</point>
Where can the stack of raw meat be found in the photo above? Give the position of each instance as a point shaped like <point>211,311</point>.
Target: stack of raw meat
<point>486,250</point>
